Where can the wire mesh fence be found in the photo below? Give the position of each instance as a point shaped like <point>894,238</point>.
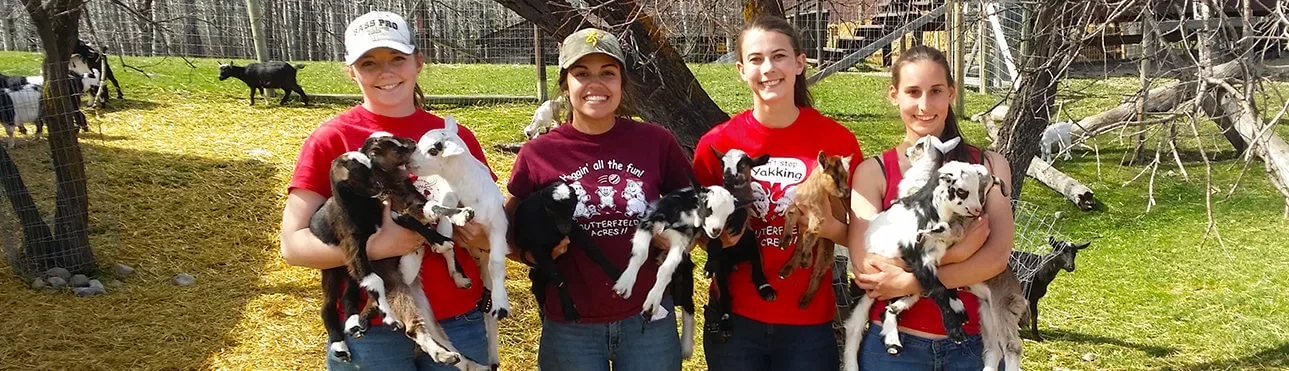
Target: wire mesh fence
<point>47,221</point>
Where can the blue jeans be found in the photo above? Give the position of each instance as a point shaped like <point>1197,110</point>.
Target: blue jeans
<point>382,348</point>
<point>920,353</point>
<point>593,346</point>
<point>755,345</point>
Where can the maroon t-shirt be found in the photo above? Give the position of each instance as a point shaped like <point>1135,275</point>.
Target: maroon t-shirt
<point>616,175</point>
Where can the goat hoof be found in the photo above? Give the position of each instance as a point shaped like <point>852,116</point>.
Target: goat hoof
<point>894,349</point>
<point>344,357</point>
<point>957,335</point>
<point>768,293</point>
<point>501,313</point>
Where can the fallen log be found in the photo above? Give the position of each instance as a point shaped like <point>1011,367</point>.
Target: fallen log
<point>1162,99</point>
<point>1074,191</point>
<point>1264,143</point>
<point>1043,172</point>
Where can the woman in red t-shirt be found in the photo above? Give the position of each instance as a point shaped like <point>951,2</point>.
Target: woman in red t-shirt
<point>775,335</point>
<point>922,89</point>
<point>384,63</point>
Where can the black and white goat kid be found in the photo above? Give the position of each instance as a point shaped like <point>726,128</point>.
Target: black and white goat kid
<point>542,220</point>
<point>679,218</point>
<point>347,219</point>
<point>736,174</point>
<point>919,229</point>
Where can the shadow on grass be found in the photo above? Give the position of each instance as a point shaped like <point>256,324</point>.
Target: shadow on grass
<point>114,105</point>
<point>1061,335</point>
<point>211,218</point>
<point>1276,358</point>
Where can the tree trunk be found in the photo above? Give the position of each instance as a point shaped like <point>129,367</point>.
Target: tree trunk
<point>56,22</point>
<point>757,8</point>
<point>37,243</point>
<point>144,8</point>
<point>661,82</point>
<point>1030,114</point>
<point>1268,145</point>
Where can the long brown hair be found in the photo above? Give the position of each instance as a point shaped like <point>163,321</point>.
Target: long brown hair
<point>923,53</point>
<point>800,92</point>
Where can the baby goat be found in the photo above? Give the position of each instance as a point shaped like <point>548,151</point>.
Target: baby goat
<point>828,183</point>
<point>919,229</point>
<point>545,118</point>
<point>347,219</point>
<point>87,60</point>
<point>442,152</point>
<point>736,174</point>
<point>542,220</point>
<point>1058,134</point>
<point>1061,257</point>
<point>679,217</point>
<point>262,75</point>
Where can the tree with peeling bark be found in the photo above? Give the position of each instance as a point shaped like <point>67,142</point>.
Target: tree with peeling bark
<point>1227,45</point>
<point>68,244</point>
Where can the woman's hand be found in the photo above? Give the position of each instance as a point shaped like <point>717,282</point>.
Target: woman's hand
<point>471,235</point>
<point>888,281</point>
<point>392,239</point>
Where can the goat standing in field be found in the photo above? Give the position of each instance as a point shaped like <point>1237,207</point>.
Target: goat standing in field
<point>542,220</point>
<point>829,185</point>
<point>266,75</point>
<point>1061,257</point>
<point>736,174</point>
<point>87,60</point>
<point>545,118</point>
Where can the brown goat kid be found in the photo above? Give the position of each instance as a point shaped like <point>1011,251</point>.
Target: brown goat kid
<point>828,184</point>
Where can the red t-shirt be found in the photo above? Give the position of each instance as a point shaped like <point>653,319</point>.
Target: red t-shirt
<point>925,315</point>
<point>793,151</point>
<point>616,174</point>
<point>347,132</point>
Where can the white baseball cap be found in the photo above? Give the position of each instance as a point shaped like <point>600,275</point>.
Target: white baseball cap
<point>377,30</point>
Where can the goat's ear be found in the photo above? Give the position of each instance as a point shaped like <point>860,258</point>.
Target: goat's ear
<point>821,158</point>
<point>450,124</point>
<point>761,160</point>
<point>1001,186</point>
<point>1082,246</point>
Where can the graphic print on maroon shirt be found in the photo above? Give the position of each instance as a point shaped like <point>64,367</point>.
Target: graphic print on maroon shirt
<point>615,176</point>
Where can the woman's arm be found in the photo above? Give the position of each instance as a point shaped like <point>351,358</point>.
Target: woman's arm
<point>865,203</point>
<point>299,246</point>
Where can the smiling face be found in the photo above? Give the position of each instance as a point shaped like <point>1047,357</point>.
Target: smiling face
<point>594,87</point>
<point>769,65</point>
<point>923,94</point>
<point>387,79</point>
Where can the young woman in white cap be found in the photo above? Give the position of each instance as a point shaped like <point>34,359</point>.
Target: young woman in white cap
<point>384,63</point>
<point>616,166</point>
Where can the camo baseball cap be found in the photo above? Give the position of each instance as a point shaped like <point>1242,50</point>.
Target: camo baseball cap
<point>377,30</point>
<point>586,42</point>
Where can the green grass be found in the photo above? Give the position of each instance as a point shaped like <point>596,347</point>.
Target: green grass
<point>175,188</point>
